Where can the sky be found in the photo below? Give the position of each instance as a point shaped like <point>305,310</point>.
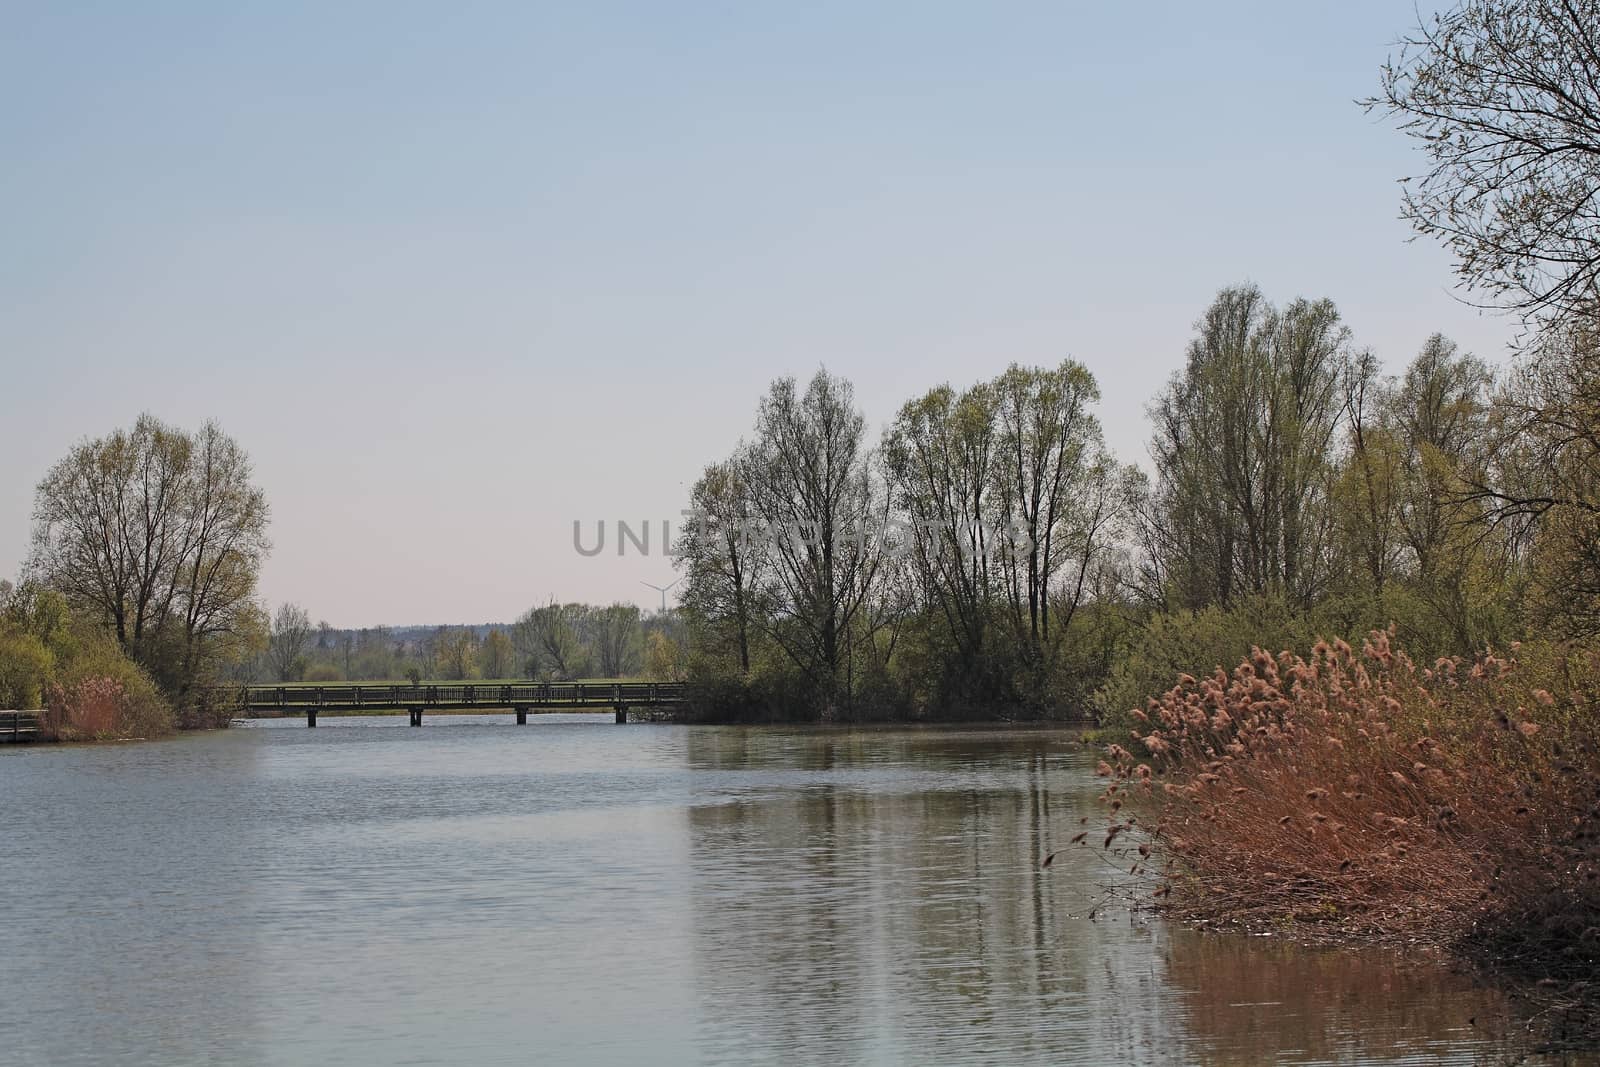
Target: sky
<point>460,275</point>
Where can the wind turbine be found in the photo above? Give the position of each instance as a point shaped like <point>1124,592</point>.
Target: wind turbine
<point>662,589</point>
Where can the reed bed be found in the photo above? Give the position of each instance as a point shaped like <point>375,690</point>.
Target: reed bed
<point>1359,794</point>
<point>92,706</point>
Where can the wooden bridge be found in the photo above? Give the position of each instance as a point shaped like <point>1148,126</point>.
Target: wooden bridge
<point>520,698</point>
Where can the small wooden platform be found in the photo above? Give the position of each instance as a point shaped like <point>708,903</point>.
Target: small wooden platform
<point>19,726</point>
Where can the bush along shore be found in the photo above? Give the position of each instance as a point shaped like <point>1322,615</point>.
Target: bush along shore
<point>1355,795</point>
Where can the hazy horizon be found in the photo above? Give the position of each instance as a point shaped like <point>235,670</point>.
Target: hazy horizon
<point>457,281</point>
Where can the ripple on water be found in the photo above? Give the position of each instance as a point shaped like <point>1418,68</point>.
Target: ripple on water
<point>574,892</point>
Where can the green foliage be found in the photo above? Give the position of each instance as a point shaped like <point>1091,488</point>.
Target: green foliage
<point>74,670</point>
<point>1244,446</point>
<point>103,694</point>
<point>26,666</point>
<point>496,657</point>
<point>663,659</point>
<point>1196,643</point>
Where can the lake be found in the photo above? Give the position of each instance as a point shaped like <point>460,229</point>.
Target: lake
<point>577,892</point>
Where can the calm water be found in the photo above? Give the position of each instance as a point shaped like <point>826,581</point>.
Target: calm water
<point>575,892</point>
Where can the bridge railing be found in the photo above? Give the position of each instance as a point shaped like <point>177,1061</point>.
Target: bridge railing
<point>461,695</point>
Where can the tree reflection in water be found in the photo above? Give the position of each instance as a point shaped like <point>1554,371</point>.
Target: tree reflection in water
<point>877,895</point>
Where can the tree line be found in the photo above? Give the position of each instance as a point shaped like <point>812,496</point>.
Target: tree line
<point>987,555</point>
<point>1293,489</point>
<point>549,642</point>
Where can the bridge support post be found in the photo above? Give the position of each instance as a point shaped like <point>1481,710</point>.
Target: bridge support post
<point>311,718</point>
<point>522,716</point>
<point>622,714</point>
<point>416,716</point>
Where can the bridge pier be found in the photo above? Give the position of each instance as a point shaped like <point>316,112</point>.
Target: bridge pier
<point>416,716</point>
<point>311,718</point>
<point>622,714</point>
<point>522,716</point>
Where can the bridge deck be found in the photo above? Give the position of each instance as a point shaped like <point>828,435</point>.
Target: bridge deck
<point>520,698</point>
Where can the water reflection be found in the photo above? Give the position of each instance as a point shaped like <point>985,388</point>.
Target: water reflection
<point>579,893</point>
<point>878,897</point>
<point>1259,999</point>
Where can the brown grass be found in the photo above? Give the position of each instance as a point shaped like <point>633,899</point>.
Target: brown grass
<point>98,707</point>
<point>1457,804</point>
<point>89,708</point>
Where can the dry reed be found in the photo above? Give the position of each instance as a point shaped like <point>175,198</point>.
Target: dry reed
<point>1457,804</point>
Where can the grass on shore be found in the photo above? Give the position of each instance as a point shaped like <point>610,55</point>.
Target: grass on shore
<point>1359,795</point>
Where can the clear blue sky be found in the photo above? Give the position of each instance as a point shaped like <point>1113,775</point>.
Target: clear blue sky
<point>456,275</point>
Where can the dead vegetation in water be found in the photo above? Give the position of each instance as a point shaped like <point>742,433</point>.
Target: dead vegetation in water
<point>1356,794</point>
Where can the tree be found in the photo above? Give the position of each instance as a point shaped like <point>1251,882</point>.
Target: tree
<point>496,657</point>
<point>1012,502</point>
<point>939,455</point>
<point>455,650</point>
<point>1058,489</point>
<point>546,638</point>
<point>1539,482</point>
<point>1440,413</point>
<point>810,481</point>
<point>160,534</point>
<point>25,668</point>
<point>1244,451</point>
<point>291,636</point>
<point>663,660</point>
<point>615,635</point>
<point>721,553</point>
<point>1504,98</point>
<point>1367,494</point>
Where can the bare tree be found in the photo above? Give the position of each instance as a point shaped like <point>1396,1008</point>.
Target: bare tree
<point>291,636</point>
<point>616,639</point>
<point>1539,482</point>
<point>161,534</point>
<point>455,650</point>
<point>721,554</point>
<point>810,480</point>
<point>547,640</point>
<point>1504,97</point>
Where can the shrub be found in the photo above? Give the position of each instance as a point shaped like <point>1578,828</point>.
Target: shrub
<point>1198,642</point>
<point>1194,642</point>
<point>209,708</point>
<point>103,694</point>
<point>1457,801</point>
<point>25,666</point>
